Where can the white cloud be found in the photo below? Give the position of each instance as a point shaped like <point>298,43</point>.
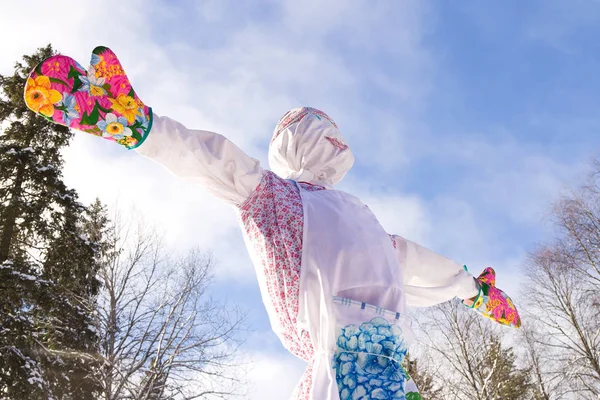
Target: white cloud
<point>274,376</point>
<point>98,168</point>
<point>239,90</point>
<point>242,86</point>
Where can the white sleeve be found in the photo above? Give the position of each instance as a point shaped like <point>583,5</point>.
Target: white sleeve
<point>429,278</point>
<point>202,157</point>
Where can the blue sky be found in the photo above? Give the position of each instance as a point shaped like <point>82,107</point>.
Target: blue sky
<point>467,119</point>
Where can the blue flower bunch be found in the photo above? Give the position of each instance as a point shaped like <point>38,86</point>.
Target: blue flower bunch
<point>368,361</point>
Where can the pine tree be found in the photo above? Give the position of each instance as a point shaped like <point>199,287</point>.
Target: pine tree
<point>71,264</point>
<point>423,378</point>
<point>48,344</point>
<point>471,360</point>
<point>502,379</point>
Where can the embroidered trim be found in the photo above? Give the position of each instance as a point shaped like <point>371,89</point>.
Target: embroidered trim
<point>150,122</point>
<point>337,143</point>
<point>296,115</point>
<point>378,310</point>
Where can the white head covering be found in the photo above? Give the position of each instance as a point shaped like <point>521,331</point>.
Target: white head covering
<point>307,146</point>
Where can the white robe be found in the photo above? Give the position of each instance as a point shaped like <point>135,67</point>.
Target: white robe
<point>334,243</point>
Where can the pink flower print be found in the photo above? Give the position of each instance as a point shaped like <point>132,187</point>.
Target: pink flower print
<point>119,84</point>
<point>57,116</point>
<point>109,58</point>
<point>338,144</point>
<point>273,220</point>
<point>501,308</point>
<point>496,303</point>
<point>108,66</point>
<point>58,67</point>
<point>85,103</point>
<point>104,102</point>
<point>488,276</point>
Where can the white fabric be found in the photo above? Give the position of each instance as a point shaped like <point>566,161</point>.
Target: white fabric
<point>346,253</point>
<point>430,278</point>
<point>304,152</point>
<point>227,172</point>
<point>203,157</point>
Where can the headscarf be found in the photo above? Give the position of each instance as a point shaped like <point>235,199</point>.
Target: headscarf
<point>307,146</point>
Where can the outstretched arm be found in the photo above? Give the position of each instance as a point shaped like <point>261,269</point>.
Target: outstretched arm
<point>101,101</point>
<point>430,278</point>
<point>203,157</point>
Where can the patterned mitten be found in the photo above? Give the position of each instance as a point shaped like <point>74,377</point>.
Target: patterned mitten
<point>99,101</point>
<point>493,303</point>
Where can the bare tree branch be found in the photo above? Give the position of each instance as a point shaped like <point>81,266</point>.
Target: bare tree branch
<point>162,336</point>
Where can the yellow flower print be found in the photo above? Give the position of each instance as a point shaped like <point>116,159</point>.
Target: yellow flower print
<point>108,70</point>
<point>40,97</point>
<point>114,127</point>
<point>53,67</point>
<point>478,302</point>
<point>97,90</point>
<point>126,106</point>
<point>510,304</point>
<point>127,141</point>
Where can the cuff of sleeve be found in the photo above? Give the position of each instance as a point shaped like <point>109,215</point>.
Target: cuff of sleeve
<point>147,131</point>
<point>468,286</point>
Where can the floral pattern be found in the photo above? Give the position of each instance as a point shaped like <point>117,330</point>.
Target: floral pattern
<point>493,303</point>
<point>338,144</point>
<point>114,127</point>
<point>68,105</point>
<point>296,115</point>
<point>99,101</point>
<point>368,361</point>
<point>40,96</point>
<point>302,390</point>
<point>92,84</point>
<point>272,218</point>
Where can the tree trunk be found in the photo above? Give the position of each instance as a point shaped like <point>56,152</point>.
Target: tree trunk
<point>10,215</point>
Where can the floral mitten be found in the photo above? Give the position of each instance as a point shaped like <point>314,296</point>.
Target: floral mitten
<point>99,101</point>
<point>493,303</point>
